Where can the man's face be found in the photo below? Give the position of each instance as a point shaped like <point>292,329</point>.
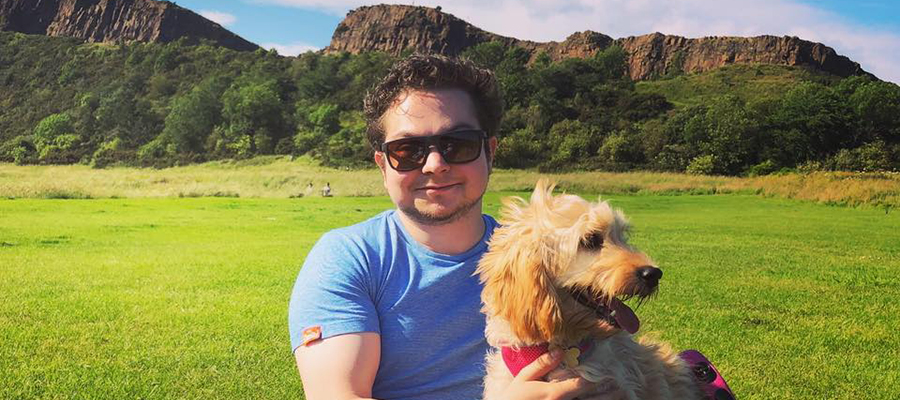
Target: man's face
<point>439,192</point>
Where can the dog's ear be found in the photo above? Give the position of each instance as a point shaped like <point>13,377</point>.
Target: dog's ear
<point>518,287</point>
<point>543,193</point>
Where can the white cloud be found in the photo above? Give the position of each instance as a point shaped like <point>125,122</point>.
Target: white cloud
<point>878,51</point>
<point>292,49</point>
<point>218,17</point>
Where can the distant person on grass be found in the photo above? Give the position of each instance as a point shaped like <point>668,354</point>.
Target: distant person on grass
<point>389,308</point>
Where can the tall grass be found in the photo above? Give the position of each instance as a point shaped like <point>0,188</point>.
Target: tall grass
<point>278,177</point>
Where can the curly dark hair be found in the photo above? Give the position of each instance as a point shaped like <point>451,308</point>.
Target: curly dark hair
<point>426,72</point>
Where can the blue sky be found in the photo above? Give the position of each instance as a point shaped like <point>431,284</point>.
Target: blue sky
<point>882,13</point>
<point>867,31</point>
<point>270,23</point>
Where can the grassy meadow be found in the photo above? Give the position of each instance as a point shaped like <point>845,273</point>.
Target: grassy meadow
<point>277,177</point>
<point>163,291</point>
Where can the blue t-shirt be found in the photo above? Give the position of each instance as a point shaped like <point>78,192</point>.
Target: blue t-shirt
<point>374,277</point>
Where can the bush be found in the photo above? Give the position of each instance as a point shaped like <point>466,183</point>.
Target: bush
<point>112,153</point>
<point>52,126</point>
<point>810,166</point>
<point>62,150</point>
<point>520,149</point>
<point>870,157</point>
<point>764,168</point>
<point>285,146</point>
<point>702,165</point>
<point>152,153</point>
<point>621,147</point>
<point>22,155</point>
<point>672,157</point>
<point>573,142</point>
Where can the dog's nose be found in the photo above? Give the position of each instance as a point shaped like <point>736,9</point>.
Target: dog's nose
<point>649,275</point>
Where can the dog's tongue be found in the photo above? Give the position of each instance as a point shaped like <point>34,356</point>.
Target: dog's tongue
<point>626,318</point>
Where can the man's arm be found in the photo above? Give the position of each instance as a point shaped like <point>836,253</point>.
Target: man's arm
<point>341,367</point>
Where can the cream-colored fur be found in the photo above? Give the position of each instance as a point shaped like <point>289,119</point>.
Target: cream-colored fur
<point>535,259</point>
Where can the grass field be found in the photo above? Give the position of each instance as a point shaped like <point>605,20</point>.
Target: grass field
<point>165,298</point>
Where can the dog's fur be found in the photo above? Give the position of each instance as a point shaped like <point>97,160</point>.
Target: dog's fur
<point>535,260</point>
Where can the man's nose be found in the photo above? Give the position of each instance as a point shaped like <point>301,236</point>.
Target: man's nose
<point>434,162</point>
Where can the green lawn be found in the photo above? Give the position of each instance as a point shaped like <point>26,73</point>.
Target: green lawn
<point>187,297</point>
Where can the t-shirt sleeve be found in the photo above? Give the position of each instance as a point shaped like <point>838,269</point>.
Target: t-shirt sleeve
<point>332,293</point>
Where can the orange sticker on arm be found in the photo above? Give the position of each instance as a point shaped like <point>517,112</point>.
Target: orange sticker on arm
<point>311,334</point>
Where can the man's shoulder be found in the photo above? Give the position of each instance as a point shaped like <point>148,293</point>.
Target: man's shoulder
<point>368,231</point>
<point>349,249</point>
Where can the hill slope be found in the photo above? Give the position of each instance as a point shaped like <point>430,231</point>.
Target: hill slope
<point>111,21</point>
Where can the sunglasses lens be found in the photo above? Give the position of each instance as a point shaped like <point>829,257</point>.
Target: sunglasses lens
<point>407,155</point>
<point>461,148</point>
<point>456,148</point>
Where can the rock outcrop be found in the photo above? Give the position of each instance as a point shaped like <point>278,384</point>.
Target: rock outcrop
<point>657,54</point>
<point>115,21</point>
<point>398,28</point>
<point>395,28</point>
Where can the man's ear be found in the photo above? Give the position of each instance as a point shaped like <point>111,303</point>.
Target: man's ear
<point>379,160</point>
<point>492,148</point>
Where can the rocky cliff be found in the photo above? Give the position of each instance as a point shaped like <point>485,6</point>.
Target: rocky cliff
<point>656,54</point>
<point>398,28</point>
<point>114,21</point>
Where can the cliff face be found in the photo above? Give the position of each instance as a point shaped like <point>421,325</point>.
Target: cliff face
<point>114,21</point>
<point>395,28</point>
<point>392,29</point>
<point>656,54</point>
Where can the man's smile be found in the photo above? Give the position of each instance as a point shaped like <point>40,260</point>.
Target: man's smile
<point>439,187</point>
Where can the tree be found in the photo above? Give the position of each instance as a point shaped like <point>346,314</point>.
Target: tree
<point>348,147</point>
<point>193,117</point>
<point>810,123</point>
<point>315,124</point>
<point>621,149</point>
<point>487,55</point>
<point>731,135</point>
<point>512,75</point>
<point>611,62</point>
<point>253,117</point>
<point>573,142</point>
<point>55,140</point>
<point>519,149</point>
<point>876,108</point>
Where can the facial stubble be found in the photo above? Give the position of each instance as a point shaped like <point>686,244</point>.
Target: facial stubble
<point>432,219</point>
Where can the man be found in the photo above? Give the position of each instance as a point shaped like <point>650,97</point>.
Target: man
<point>389,308</point>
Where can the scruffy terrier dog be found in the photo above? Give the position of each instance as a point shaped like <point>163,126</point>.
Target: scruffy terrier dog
<point>554,276</point>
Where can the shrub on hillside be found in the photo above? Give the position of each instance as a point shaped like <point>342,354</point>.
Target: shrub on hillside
<point>871,157</point>
<point>764,168</point>
<point>702,165</point>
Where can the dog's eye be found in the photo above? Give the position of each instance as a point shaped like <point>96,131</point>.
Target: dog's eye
<point>593,242</point>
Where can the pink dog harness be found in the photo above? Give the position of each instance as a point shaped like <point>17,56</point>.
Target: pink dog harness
<point>708,377</point>
<point>517,358</point>
<point>711,381</point>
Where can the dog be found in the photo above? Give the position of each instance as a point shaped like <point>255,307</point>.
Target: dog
<point>556,275</point>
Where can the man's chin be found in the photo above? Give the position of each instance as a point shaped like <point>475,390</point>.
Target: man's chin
<point>437,215</point>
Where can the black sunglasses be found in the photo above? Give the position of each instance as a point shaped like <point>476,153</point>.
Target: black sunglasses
<point>457,147</point>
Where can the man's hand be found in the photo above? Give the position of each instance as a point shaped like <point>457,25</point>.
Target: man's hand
<point>528,385</point>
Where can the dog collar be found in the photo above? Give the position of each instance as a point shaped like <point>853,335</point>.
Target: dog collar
<point>517,358</point>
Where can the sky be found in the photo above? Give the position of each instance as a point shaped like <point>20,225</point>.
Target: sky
<point>867,31</point>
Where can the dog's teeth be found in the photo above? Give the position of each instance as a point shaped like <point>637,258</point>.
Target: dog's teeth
<point>612,313</point>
